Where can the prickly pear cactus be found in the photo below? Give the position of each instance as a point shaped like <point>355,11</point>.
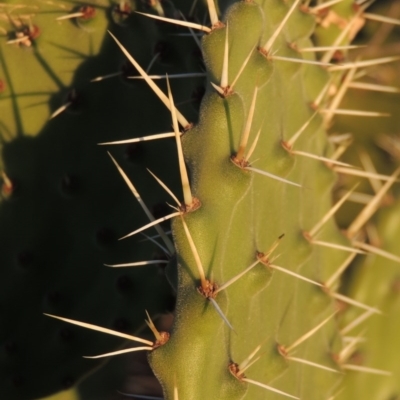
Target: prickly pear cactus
<point>372,342</point>
<point>233,300</point>
<point>371,339</point>
<point>257,258</point>
<point>253,188</point>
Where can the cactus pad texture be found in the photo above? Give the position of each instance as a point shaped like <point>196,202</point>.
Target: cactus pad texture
<point>257,258</point>
<point>239,222</point>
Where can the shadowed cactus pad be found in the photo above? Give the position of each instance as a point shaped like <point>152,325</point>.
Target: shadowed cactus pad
<point>63,207</point>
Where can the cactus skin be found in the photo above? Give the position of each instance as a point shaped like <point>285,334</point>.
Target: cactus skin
<point>35,70</point>
<point>265,306</point>
<point>376,280</point>
<point>242,213</point>
<point>199,337</point>
<point>61,218</point>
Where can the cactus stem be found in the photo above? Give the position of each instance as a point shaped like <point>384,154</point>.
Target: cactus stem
<point>355,113</point>
<point>365,63</point>
<point>278,178</point>
<point>141,139</point>
<point>312,364</point>
<point>60,109</point>
<point>160,231</point>
<point>317,227</point>
<point>246,132</point>
<point>115,353</point>
<point>360,368</point>
<point>268,45</point>
<point>182,120</point>
<point>335,246</point>
<point>187,194</point>
<point>289,144</point>
<point>101,329</point>
<point>303,338</point>
<point>270,388</point>
<point>371,207</point>
<point>212,10</point>
<point>340,270</point>
<point>374,250</point>
<point>224,75</point>
<point>360,319</point>
<point>153,223</point>
<point>137,264</point>
<point>353,302</point>
<point>319,158</point>
<point>178,22</point>
<point>166,188</point>
<point>235,278</point>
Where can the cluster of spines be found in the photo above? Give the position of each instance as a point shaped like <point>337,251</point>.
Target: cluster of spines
<point>241,158</point>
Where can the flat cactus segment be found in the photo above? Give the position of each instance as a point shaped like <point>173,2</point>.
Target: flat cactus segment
<point>242,214</point>
<point>371,215</point>
<point>38,58</point>
<point>376,282</point>
<point>226,104</point>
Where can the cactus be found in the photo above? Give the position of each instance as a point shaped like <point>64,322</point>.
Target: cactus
<point>63,207</point>
<point>258,257</point>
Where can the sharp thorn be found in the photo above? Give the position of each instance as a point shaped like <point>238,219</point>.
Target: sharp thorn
<point>178,22</point>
